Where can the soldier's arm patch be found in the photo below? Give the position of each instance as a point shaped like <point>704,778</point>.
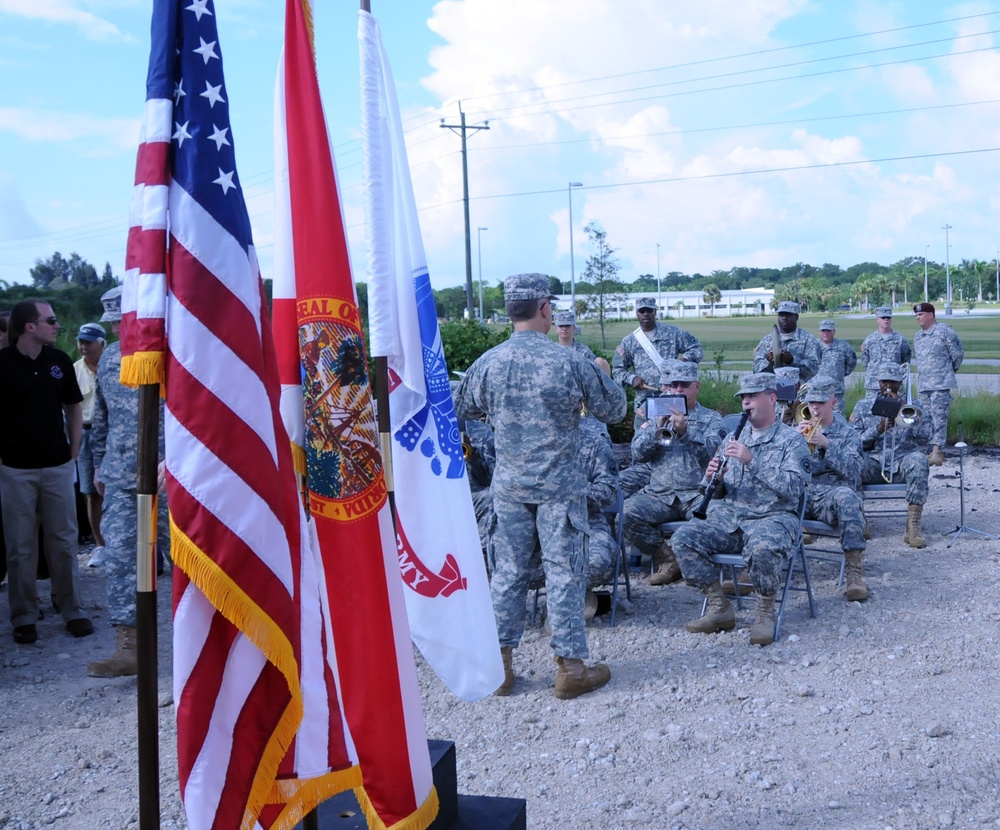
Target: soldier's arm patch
<point>806,464</point>
<point>619,350</point>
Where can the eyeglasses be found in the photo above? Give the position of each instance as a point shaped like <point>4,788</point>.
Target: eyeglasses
<point>680,384</point>
<point>50,320</point>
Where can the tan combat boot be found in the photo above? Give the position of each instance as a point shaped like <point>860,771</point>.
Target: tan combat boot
<point>742,581</point>
<point>856,591</point>
<point>718,616</point>
<point>124,662</point>
<point>913,536</point>
<point>507,686</point>
<point>936,458</point>
<point>574,678</point>
<point>667,569</point>
<point>762,630</point>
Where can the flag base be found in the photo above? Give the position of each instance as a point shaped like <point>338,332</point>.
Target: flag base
<point>342,812</point>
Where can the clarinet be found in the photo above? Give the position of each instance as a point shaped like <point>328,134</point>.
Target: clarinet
<point>702,511</point>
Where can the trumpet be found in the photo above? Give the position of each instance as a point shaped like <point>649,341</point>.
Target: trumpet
<point>665,436</point>
<point>803,413</point>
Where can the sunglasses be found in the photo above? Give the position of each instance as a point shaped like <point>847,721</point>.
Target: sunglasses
<point>50,320</point>
<point>681,384</point>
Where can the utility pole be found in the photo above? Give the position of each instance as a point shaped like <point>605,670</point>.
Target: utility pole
<point>926,247</point>
<point>479,247</point>
<point>657,277</point>
<point>947,272</point>
<point>461,129</point>
<point>572,266</point>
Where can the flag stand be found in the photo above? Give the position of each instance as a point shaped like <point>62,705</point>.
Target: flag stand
<point>145,608</point>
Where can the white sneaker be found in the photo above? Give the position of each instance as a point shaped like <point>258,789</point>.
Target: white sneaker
<point>96,558</point>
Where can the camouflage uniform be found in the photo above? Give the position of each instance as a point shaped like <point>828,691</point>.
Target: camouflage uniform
<point>938,353</point>
<point>115,435</point>
<point>532,390</point>
<point>836,477</point>
<point>631,361</point>
<point>800,344</point>
<point>838,361</point>
<point>675,473</point>
<point>876,350</point>
<point>480,466</point>
<point>758,516</point>
<point>583,350</point>
<point>911,458</point>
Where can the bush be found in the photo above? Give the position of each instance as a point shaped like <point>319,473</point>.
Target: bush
<point>465,340</point>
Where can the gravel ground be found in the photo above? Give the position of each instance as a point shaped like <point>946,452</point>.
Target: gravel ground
<point>876,715</point>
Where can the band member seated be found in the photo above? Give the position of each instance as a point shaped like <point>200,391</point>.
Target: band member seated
<point>896,450</point>
<point>765,471</point>
<point>788,386</point>
<point>836,476</point>
<point>677,448</point>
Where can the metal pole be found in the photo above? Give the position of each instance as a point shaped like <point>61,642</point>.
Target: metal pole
<point>479,247</point>
<point>572,268</point>
<point>657,277</point>
<point>996,297</point>
<point>147,709</point>
<point>947,272</point>
<point>925,273</point>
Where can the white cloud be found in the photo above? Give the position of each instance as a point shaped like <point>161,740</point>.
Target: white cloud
<point>66,12</point>
<point>95,135</point>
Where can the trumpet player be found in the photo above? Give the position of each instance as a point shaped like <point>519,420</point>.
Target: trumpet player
<point>895,450</point>
<point>766,472</point>
<point>836,477</point>
<point>676,448</point>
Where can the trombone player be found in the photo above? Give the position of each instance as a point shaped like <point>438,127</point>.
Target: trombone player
<point>836,476</point>
<point>893,448</point>
<point>676,448</point>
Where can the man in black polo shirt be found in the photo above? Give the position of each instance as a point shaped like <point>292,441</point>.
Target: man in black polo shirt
<point>38,388</point>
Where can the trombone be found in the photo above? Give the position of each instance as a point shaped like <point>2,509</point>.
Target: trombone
<point>910,415</point>
<point>804,413</point>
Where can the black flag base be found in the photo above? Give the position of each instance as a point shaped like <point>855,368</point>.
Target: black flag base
<point>457,812</point>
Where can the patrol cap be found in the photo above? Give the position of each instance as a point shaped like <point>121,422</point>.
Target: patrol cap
<point>890,371</point>
<point>112,302</point>
<point>827,325</point>
<point>678,371</point>
<point>821,389</point>
<point>788,307</point>
<point>90,332</point>
<point>565,318</point>
<point>928,307</point>
<point>757,382</point>
<point>884,311</point>
<point>645,302</point>
<point>527,287</point>
<point>787,373</point>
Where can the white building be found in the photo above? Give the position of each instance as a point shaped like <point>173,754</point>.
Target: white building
<point>681,304</point>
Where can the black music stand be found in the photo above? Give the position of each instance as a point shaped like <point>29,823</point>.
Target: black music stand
<point>960,445</point>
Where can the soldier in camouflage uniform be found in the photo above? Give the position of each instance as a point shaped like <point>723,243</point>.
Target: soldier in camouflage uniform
<point>938,353</point>
<point>566,333</point>
<point>480,464</point>
<point>766,473</point>
<point>882,346</point>
<point>675,470</point>
<point>532,390</point>
<point>639,357</point>
<point>838,359</point>
<point>910,464</point>
<point>836,477</point>
<point>115,439</point>
<point>798,347</point>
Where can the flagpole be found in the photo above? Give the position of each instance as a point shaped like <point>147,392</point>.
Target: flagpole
<point>145,608</point>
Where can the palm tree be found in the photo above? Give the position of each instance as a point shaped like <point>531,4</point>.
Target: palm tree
<point>712,296</point>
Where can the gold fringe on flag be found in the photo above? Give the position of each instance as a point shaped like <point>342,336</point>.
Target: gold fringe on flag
<point>419,819</point>
<point>142,368</point>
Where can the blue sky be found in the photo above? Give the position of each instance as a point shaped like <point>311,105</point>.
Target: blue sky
<point>706,128</point>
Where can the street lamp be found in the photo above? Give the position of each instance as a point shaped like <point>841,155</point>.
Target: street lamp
<point>657,277</point>
<point>996,296</point>
<point>925,273</point>
<point>479,246</point>
<point>947,273</point>
<point>572,269</point>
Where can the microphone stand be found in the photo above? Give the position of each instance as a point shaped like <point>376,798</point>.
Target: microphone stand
<point>958,531</point>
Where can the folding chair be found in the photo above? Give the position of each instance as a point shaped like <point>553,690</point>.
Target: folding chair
<point>875,494</point>
<point>797,561</point>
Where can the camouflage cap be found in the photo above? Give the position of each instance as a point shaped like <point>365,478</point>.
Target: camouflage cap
<point>827,325</point>
<point>757,382</point>
<point>91,332</point>
<point>645,302</point>
<point>788,307</point>
<point>884,311</point>
<point>821,389</point>
<point>112,302</point>
<point>565,318</point>
<point>680,371</point>
<point>787,373</point>
<point>890,371</point>
<point>527,287</point>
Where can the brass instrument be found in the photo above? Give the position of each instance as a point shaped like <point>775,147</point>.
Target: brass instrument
<point>804,413</point>
<point>910,415</point>
<point>665,436</point>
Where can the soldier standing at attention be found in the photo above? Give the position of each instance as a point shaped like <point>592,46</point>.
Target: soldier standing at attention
<point>882,346</point>
<point>938,353</point>
<point>566,332</point>
<point>532,390</point>
<point>639,359</point>
<point>838,359</point>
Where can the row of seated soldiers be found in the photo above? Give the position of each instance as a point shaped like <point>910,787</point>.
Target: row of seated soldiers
<point>762,471</point>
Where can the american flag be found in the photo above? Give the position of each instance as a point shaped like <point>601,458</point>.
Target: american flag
<point>261,735</point>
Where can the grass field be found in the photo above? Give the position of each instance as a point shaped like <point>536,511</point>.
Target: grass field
<point>736,337</point>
